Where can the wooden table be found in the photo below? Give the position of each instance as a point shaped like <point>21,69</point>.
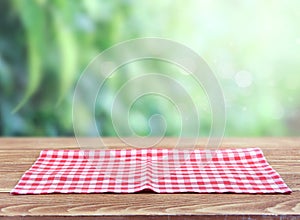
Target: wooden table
<point>18,154</point>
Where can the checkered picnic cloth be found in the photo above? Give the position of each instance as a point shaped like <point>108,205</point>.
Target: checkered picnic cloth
<point>159,170</point>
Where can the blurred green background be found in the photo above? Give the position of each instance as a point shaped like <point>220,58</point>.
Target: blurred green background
<point>252,46</point>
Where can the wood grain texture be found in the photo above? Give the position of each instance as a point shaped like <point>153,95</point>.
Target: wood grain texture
<point>18,154</point>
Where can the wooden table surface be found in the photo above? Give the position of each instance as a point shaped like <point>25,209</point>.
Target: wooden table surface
<point>18,154</point>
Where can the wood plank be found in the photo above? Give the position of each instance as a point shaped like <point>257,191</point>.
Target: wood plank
<point>161,217</point>
<point>70,143</point>
<point>148,204</point>
<point>18,154</point>
<point>272,154</point>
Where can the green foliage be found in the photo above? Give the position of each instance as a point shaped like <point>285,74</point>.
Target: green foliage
<point>253,47</point>
<point>33,22</point>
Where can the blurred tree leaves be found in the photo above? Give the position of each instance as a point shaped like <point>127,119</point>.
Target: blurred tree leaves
<point>33,20</point>
<point>45,45</point>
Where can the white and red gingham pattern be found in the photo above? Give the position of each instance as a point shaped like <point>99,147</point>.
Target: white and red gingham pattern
<point>160,170</point>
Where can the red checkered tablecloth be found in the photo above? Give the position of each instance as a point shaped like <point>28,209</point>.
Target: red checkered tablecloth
<point>159,170</point>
